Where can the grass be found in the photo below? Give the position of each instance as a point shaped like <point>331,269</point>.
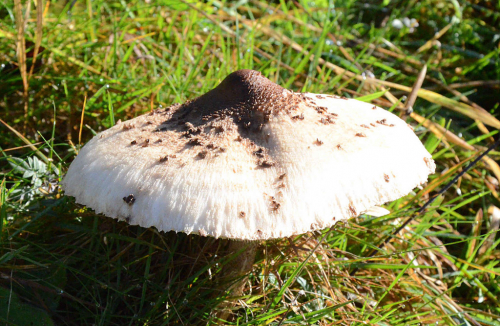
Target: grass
<point>70,69</point>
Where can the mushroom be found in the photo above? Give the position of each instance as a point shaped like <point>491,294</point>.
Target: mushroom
<point>249,160</point>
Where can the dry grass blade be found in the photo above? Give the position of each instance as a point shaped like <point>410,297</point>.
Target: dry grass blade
<point>476,83</point>
<point>129,40</point>
<point>7,34</point>
<point>21,147</point>
<point>433,40</point>
<point>484,130</point>
<point>442,132</point>
<point>26,141</point>
<point>38,33</point>
<point>476,231</point>
<point>493,166</point>
<point>465,109</point>
<point>416,86</point>
<point>494,214</point>
<point>81,121</point>
<point>21,54</point>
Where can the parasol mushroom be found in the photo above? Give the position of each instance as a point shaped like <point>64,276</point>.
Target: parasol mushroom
<point>249,160</point>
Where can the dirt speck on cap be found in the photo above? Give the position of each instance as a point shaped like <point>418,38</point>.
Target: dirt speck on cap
<point>130,199</point>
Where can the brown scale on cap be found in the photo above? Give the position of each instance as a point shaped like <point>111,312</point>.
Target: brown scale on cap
<point>259,153</point>
<point>191,130</point>
<point>266,163</point>
<point>128,126</point>
<point>327,121</point>
<point>160,129</point>
<point>321,109</point>
<point>275,206</point>
<point>360,134</point>
<point>242,214</point>
<point>195,142</point>
<point>386,178</point>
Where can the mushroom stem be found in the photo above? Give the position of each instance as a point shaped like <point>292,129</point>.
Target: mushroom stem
<point>237,269</point>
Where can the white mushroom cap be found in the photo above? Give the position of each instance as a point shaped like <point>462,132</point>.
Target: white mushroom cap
<point>249,160</point>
